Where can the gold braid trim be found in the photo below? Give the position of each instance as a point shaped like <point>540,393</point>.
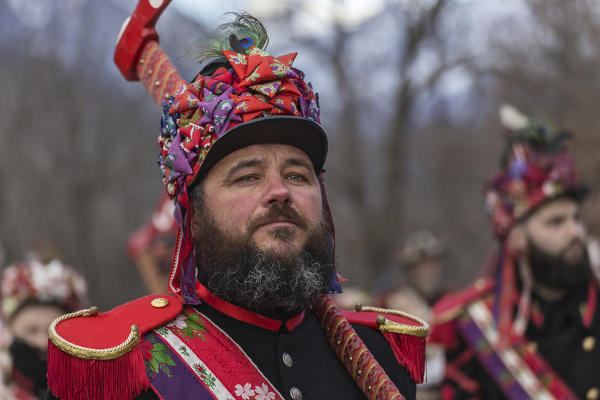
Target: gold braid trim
<point>378,387</point>
<point>87,353</point>
<point>365,374</point>
<point>385,325</point>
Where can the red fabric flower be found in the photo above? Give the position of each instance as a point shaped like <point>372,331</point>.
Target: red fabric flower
<point>147,349</point>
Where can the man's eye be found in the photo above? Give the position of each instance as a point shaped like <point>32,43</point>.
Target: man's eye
<point>245,178</point>
<point>30,330</point>
<point>297,177</point>
<point>555,221</point>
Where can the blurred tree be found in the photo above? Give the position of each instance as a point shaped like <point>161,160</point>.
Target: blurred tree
<point>379,74</point>
<point>77,160</point>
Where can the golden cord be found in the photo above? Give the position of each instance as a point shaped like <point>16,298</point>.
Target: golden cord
<point>87,353</point>
<point>385,325</point>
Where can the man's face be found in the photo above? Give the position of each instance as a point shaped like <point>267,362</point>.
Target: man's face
<point>243,188</point>
<point>556,243</point>
<point>557,229</point>
<point>262,238</point>
<point>31,323</point>
<point>425,276</point>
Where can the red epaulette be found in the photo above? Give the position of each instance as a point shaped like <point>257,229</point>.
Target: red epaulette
<point>449,307</point>
<point>405,333</point>
<point>94,355</point>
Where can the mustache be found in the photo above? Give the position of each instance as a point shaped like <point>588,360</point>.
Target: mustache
<point>575,242</point>
<point>283,212</point>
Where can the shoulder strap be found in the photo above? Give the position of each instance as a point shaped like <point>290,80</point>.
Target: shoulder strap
<point>353,353</point>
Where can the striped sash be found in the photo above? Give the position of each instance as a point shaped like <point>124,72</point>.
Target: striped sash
<point>517,370</point>
<point>192,355</point>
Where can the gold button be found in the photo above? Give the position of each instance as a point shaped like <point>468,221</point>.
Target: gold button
<point>532,346</point>
<point>588,343</point>
<point>592,394</point>
<point>159,302</point>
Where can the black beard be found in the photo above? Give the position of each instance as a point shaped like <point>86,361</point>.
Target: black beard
<point>269,284</point>
<point>554,272</point>
<point>29,367</point>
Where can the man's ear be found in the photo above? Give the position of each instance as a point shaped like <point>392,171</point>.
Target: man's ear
<point>322,176</point>
<point>517,240</point>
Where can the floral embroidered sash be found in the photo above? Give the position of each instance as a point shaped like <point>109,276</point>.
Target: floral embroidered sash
<point>191,355</point>
<point>517,370</point>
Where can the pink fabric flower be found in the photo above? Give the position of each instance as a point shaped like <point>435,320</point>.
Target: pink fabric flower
<point>262,393</point>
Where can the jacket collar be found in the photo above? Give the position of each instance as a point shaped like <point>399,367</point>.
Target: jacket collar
<point>241,314</point>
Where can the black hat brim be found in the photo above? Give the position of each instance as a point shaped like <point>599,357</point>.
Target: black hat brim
<point>576,193</point>
<point>299,132</point>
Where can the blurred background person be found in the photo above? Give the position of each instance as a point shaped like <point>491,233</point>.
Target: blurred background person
<point>352,295</point>
<point>413,285</point>
<point>152,246</point>
<point>33,294</point>
<point>531,329</point>
<point>4,343</point>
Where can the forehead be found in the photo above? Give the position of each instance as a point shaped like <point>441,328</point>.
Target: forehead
<point>558,207</point>
<point>264,153</point>
<point>36,313</point>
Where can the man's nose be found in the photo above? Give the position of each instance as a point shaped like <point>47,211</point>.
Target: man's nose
<point>40,341</point>
<point>576,229</point>
<point>276,191</point>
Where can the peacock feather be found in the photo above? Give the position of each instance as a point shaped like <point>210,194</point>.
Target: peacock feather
<point>540,134</point>
<point>238,35</point>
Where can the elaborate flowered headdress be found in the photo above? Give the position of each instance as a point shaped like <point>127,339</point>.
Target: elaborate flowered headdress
<point>252,97</point>
<point>45,283</point>
<point>244,96</point>
<point>535,168</point>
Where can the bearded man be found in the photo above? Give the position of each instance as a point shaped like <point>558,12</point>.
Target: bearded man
<point>242,152</point>
<point>531,330</point>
